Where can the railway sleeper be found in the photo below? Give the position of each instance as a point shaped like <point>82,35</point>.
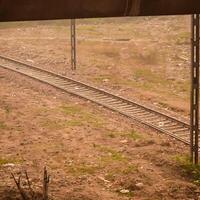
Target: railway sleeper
<point>181,130</point>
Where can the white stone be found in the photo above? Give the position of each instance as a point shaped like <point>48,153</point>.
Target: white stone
<point>124,191</point>
<point>139,185</point>
<point>9,165</point>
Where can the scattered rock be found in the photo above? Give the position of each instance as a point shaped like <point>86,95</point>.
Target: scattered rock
<point>161,124</point>
<point>9,165</point>
<point>105,80</point>
<point>124,141</point>
<point>103,179</point>
<point>124,191</point>
<point>139,185</point>
<point>29,60</point>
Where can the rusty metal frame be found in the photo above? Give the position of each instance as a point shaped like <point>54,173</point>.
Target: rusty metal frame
<point>23,10</point>
<point>73,44</point>
<point>194,117</point>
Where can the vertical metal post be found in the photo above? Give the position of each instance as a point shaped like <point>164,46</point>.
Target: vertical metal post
<point>73,44</point>
<point>194,118</point>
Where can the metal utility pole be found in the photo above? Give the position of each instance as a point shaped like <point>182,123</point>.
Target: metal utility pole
<point>194,118</point>
<point>73,44</point>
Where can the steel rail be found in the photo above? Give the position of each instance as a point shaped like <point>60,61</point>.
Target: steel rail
<point>157,120</point>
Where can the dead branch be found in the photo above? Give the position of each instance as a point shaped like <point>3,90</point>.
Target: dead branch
<point>29,193</point>
<point>18,184</point>
<point>45,184</point>
<point>29,185</point>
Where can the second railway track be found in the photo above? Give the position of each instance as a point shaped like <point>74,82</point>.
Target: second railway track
<point>138,112</point>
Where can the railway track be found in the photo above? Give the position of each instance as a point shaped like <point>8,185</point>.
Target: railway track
<point>159,121</point>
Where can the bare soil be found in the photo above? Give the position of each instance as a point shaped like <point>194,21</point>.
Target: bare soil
<point>90,152</point>
<point>145,58</point>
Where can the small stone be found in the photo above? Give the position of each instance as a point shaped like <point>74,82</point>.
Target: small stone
<point>161,124</point>
<point>103,179</point>
<point>124,141</point>
<point>139,185</point>
<point>9,165</point>
<point>105,80</point>
<point>124,191</point>
<point>29,60</point>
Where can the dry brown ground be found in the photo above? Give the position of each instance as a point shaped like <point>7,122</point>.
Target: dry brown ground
<point>141,58</point>
<point>92,153</point>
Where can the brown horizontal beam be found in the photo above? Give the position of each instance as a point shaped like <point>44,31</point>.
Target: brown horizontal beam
<point>21,10</point>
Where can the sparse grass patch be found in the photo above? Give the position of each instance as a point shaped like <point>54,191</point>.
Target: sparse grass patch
<point>4,161</point>
<point>129,169</point>
<point>150,57</point>
<point>183,38</point>
<point>76,116</point>
<point>192,170</point>
<point>2,125</point>
<point>74,123</point>
<point>147,75</point>
<point>53,124</point>
<point>116,155</point>
<point>71,110</point>
<point>7,109</point>
<point>82,169</point>
<point>111,135</point>
<point>133,135</point>
<point>111,154</point>
<point>101,78</point>
<point>83,117</point>
<point>93,120</point>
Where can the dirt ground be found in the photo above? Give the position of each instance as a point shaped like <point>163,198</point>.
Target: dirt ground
<point>145,58</point>
<point>90,152</point>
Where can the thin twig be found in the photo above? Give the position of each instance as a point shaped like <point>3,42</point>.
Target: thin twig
<point>18,184</point>
<point>45,184</point>
<point>29,185</point>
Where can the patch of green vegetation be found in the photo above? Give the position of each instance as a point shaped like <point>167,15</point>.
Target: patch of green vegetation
<point>101,78</point>
<point>149,57</point>
<point>182,38</point>
<point>110,176</point>
<point>82,169</point>
<point>74,123</point>
<point>129,169</point>
<point>83,117</point>
<point>133,135</point>
<point>148,75</point>
<point>2,125</point>
<point>190,169</point>
<point>53,124</point>
<point>120,171</point>
<point>71,110</point>
<point>111,135</point>
<point>4,161</point>
<point>116,155</point>
<point>93,120</point>
<point>182,87</point>
<point>7,109</point>
<point>111,154</point>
